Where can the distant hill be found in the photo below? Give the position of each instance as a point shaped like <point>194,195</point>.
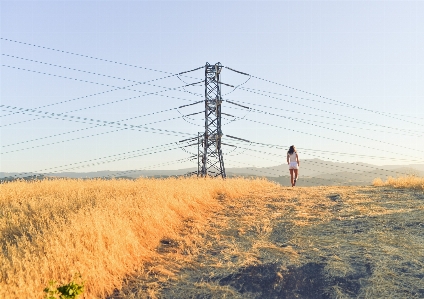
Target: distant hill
<point>312,172</point>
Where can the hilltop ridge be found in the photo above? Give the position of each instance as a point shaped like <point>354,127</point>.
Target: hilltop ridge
<point>312,172</point>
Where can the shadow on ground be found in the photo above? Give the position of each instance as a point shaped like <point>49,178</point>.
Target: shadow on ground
<point>308,281</point>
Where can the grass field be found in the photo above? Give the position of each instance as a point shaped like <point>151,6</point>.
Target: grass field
<point>103,229</point>
<point>196,238</point>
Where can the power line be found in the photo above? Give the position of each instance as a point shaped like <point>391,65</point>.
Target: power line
<point>255,91</point>
<point>314,177</point>
<point>308,123</point>
<point>85,81</point>
<point>331,124</point>
<point>83,137</point>
<point>120,173</point>
<point>73,131</point>
<point>97,161</point>
<point>302,149</point>
<point>333,139</point>
<point>256,110</point>
<point>336,101</point>
<point>295,97</point>
<point>322,110</point>
<point>95,127</point>
<point>103,92</point>
<point>332,118</point>
<point>315,162</point>
<point>103,104</point>
<point>197,94</point>
<point>145,94</point>
<point>296,119</point>
<point>119,159</point>
<point>87,56</point>
<point>302,120</point>
<point>62,116</point>
<point>79,130</point>
<point>87,72</point>
<point>87,96</point>
<point>186,85</point>
<point>237,118</point>
<point>100,74</point>
<point>185,117</point>
<point>230,120</point>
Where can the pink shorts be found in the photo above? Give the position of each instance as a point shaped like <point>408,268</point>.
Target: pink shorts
<point>293,165</point>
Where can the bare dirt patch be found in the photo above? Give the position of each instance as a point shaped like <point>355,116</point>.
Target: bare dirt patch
<point>315,242</point>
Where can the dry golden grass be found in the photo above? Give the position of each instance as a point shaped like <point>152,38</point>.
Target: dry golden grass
<point>105,230</point>
<point>335,242</point>
<point>411,182</point>
<point>197,238</point>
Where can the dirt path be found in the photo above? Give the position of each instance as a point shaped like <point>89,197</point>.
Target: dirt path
<point>315,242</point>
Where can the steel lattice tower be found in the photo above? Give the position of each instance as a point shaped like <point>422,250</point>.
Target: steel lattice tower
<point>212,162</point>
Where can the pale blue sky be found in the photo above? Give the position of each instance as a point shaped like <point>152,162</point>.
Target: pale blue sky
<point>364,53</point>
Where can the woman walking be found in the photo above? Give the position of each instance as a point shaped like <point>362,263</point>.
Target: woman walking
<point>293,162</point>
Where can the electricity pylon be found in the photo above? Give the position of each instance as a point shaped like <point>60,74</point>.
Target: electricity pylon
<point>212,161</point>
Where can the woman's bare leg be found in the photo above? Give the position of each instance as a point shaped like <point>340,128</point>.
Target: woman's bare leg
<point>296,174</point>
<point>291,176</point>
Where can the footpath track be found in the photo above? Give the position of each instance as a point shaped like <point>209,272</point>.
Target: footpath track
<point>312,242</point>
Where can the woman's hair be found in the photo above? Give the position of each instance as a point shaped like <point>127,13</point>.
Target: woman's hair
<point>292,150</point>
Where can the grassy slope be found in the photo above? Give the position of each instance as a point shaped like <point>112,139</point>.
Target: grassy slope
<point>314,242</point>
<point>103,229</point>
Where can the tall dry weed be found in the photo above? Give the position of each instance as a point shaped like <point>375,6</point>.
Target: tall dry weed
<point>410,182</point>
<point>103,229</point>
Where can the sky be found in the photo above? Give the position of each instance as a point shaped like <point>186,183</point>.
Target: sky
<point>340,80</point>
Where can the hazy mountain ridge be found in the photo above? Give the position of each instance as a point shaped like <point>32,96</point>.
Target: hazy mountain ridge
<point>312,172</point>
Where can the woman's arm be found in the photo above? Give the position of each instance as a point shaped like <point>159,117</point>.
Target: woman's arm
<point>288,162</point>
<point>297,158</point>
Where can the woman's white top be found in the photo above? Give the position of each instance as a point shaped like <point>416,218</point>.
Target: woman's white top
<point>292,157</point>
